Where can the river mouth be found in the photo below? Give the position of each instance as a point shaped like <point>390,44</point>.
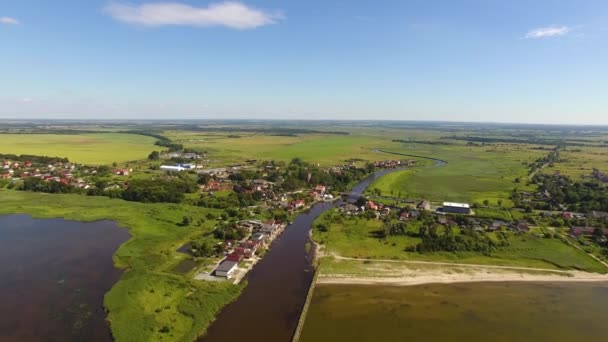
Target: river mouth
<point>53,278</point>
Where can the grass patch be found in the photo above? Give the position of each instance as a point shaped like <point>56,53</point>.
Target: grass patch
<point>354,238</point>
<point>94,149</point>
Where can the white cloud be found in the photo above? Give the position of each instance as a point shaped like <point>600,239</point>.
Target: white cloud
<point>230,14</point>
<point>26,100</point>
<point>546,32</point>
<point>9,21</point>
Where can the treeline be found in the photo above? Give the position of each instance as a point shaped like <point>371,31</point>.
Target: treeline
<point>536,141</point>
<point>577,196</point>
<point>233,200</point>
<point>300,174</point>
<point>33,159</point>
<point>38,185</point>
<point>159,190</point>
<point>550,159</point>
<point>264,130</point>
<point>447,241</point>
<point>427,142</point>
<point>160,140</point>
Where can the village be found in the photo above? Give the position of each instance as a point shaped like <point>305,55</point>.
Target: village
<point>461,215</point>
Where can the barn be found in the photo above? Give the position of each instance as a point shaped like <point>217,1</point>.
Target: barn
<point>456,208</point>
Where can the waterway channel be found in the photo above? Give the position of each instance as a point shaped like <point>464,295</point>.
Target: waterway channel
<point>270,306</point>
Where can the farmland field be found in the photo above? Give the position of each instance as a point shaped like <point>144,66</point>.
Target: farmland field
<point>94,149</point>
<point>316,148</point>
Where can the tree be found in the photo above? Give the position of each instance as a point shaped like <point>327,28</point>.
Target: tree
<point>486,202</point>
<point>154,155</point>
<point>186,220</point>
<point>500,203</point>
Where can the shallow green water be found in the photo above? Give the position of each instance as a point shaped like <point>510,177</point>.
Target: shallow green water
<point>459,312</point>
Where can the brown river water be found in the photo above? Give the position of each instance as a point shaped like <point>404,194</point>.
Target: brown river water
<point>269,308</point>
<point>53,277</point>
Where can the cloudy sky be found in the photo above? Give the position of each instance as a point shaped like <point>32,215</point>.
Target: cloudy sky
<point>541,61</point>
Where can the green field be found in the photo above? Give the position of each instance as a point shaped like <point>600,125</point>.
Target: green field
<point>149,296</point>
<point>324,149</point>
<point>355,238</point>
<point>93,149</point>
<point>472,174</point>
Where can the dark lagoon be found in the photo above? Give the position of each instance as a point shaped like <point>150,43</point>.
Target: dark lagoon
<point>53,277</point>
<point>459,312</point>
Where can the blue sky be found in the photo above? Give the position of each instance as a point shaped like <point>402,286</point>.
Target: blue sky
<point>485,60</point>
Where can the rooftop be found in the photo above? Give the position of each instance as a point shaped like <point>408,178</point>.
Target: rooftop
<point>455,205</point>
<point>226,266</point>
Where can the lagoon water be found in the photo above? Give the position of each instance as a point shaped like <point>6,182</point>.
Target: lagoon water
<point>53,276</point>
<point>459,312</point>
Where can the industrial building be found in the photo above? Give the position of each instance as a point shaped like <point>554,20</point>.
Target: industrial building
<point>456,208</point>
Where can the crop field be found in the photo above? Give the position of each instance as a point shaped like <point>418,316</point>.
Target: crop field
<point>93,149</point>
<point>322,149</point>
<point>472,173</point>
<point>148,297</point>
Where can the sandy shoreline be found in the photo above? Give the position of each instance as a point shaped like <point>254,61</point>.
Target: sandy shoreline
<point>420,279</point>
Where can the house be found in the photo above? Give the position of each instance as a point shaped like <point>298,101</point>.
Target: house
<point>213,186</point>
<point>456,208</point>
<point>236,257</point>
<point>320,189</point>
<point>404,216</point>
<point>297,204</point>
<point>414,214</point>
<point>522,226</point>
<point>424,205</point>
<point>349,208</point>
<point>567,216</point>
<point>497,225</point>
<point>578,231</point>
<point>121,172</point>
<point>226,269</point>
<point>177,168</point>
<point>371,205</point>
<point>5,176</point>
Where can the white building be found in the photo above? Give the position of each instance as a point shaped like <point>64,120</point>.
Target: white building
<point>226,269</point>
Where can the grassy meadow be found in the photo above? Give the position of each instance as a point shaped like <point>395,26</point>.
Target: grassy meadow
<point>324,149</point>
<point>578,162</point>
<point>472,173</point>
<point>354,237</point>
<point>149,296</point>
<point>93,149</point>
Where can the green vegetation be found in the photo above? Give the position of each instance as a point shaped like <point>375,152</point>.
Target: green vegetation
<point>94,149</point>
<point>322,149</point>
<point>149,302</point>
<point>473,174</point>
<point>364,238</point>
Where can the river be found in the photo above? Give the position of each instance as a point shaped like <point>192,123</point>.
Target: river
<point>270,306</point>
<point>53,277</point>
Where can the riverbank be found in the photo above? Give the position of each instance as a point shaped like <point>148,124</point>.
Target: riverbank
<point>390,272</point>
